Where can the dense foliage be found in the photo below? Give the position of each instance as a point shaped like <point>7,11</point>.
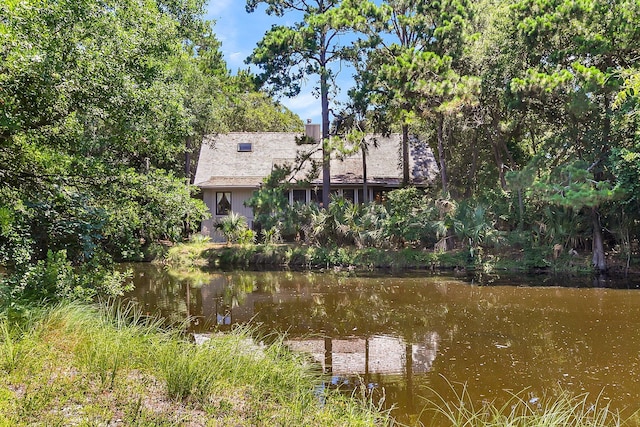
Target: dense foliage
<point>102,104</point>
<point>531,107</point>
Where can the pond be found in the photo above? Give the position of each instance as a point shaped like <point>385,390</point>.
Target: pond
<point>409,336</point>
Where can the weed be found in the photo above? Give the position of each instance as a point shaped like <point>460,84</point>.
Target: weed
<point>521,410</point>
<point>10,349</point>
<point>179,369</point>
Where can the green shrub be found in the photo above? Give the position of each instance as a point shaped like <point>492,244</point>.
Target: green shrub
<point>408,217</point>
<point>234,227</point>
<point>179,368</point>
<point>54,279</point>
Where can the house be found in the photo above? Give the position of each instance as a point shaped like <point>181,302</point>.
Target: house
<point>232,166</point>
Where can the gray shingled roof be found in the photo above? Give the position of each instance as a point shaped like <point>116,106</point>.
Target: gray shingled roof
<point>222,165</point>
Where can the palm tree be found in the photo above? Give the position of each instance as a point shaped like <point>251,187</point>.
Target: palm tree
<point>233,226</point>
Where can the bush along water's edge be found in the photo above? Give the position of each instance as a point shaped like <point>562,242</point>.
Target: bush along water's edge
<point>298,256</point>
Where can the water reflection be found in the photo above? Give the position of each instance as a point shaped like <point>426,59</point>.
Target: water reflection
<point>378,354</point>
<point>408,334</point>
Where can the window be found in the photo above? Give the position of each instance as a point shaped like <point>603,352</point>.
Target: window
<point>316,196</point>
<point>223,203</point>
<point>245,147</point>
<point>360,195</point>
<point>379,195</point>
<point>349,195</point>
<point>300,196</point>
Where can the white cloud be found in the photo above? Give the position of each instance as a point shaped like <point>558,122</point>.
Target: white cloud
<point>235,60</point>
<point>303,101</point>
<point>306,106</point>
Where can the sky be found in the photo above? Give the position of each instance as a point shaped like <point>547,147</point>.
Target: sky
<point>239,33</point>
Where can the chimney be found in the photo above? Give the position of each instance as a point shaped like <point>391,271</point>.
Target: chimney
<point>312,131</point>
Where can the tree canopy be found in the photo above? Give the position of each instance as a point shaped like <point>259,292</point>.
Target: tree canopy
<point>101,105</point>
<point>288,54</point>
<point>530,105</point>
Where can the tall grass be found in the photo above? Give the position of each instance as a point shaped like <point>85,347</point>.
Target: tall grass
<point>11,347</point>
<point>522,410</point>
<point>76,364</point>
<point>276,384</point>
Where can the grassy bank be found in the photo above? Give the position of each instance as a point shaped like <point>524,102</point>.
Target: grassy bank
<point>312,257</point>
<point>80,365</point>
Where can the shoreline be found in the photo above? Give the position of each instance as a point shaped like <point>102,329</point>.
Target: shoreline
<point>351,259</point>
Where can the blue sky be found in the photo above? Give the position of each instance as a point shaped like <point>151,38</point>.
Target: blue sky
<point>239,33</point>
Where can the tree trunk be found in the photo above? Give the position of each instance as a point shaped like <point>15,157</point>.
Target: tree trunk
<point>441,157</point>
<point>521,209</point>
<point>494,136</point>
<point>499,164</point>
<point>606,137</point>
<point>187,174</point>
<point>405,154</point>
<point>473,172</point>
<point>326,151</point>
<point>599,262</point>
<point>365,189</point>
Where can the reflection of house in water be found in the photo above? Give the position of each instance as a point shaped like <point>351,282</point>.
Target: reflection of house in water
<point>222,306</point>
<point>226,300</point>
<point>424,354</point>
<point>373,355</point>
<point>213,306</point>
